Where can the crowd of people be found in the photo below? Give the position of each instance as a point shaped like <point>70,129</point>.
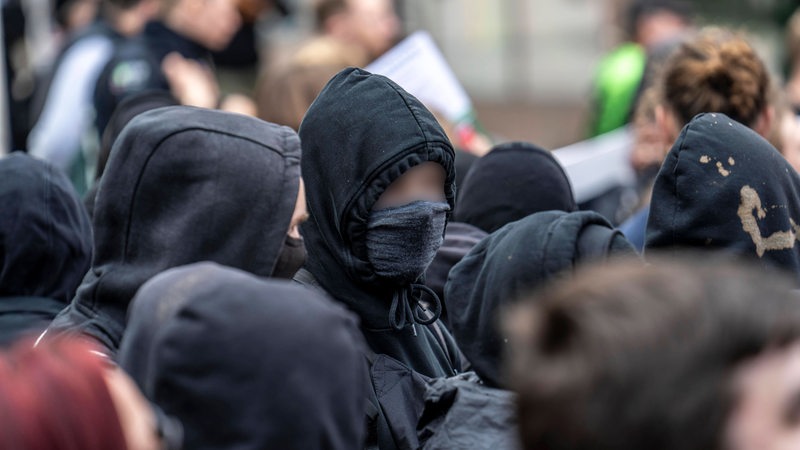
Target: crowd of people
<point>319,262</point>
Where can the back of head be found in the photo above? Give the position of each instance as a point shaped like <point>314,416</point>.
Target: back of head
<point>510,182</point>
<point>510,262</point>
<point>715,71</point>
<point>630,356</point>
<point>723,187</point>
<point>184,185</point>
<point>287,89</point>
<point>247,363</point>
<point>41,388</point>
<point>45,233</point>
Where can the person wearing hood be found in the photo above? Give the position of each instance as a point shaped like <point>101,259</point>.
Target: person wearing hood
<point>379,174</point>
<point>512,261</point>
<point>247,363</point>
<point>184,185</point>
<point>46,242</point>
<point>724,187</point>
<point>510,182</point>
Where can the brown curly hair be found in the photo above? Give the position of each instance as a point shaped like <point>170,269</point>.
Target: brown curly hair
<point>716,71</point>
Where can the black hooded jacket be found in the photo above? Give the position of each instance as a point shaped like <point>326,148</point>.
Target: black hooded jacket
<point>510,182</point>
<point>184,185</point>
<point>45,244</point>
<point>724,187</point>
<point>247,363</point>
<point>362,133</point>
<point>513,261</point>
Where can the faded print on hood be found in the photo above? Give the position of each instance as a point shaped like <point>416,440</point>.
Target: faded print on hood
<point>722,186</point>
<point>184,185</point>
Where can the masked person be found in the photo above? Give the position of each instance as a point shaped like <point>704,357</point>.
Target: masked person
<point>185,185</point>
<point>380,188</point>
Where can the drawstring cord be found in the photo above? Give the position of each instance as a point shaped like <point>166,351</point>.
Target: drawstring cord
<point>406,307</point>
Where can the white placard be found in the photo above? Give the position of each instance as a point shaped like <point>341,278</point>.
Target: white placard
<point>417,65</point>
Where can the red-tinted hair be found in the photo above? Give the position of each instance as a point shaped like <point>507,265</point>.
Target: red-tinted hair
<point>54,397</point>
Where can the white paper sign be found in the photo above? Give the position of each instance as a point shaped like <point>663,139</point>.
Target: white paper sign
<point>596,165</point>
<point>417,65</point>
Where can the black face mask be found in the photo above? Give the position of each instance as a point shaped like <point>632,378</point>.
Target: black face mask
<point>290,259</point>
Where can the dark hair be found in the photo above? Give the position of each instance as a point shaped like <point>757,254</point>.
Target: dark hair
<point>325,9</point>
<point>630,357</point>
<point>716,71</point>
<point>640,9</point>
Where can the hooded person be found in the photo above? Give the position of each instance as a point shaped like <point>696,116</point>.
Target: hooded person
<point>510,182</point>
<point>128,108</point>
<point>512,261</point>
<point>380,188</point>
<point>724,187</point>
<point>45,245</point>
<point>459,238</point>
<point>184,185</point>
<point>247,363</point>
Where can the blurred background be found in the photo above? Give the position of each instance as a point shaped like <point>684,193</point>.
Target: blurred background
<point>528,65</point>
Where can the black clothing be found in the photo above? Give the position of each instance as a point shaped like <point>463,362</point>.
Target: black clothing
<point>511,262</point>
<point>136,67</point>
<point>510,182</point>
<point>362,133</point>
<point>45,244</point>
<point>724,187</point>
<point>247,363</point>
<point>184,185</point>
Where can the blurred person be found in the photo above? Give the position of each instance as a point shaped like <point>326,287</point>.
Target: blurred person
<point>510,182</point>
<point>67,109</point>
<point>792,42</point>
<point>649,147</point>
<point>128,108</point>
<point>176,45</point>
<point>789,137</point>
<point>42,386</point>
<point>184,185</point>
<point>649,23</point>
<point>688,354</point>
<point>372,25</point>
<point>287,88</point>
<point>724,187</point>
<point>512,261</point>
<point>45,245</point>
<point>248,363</point>
<point>714,70</point>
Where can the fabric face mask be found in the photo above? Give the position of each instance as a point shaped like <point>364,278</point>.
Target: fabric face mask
<point>291,258</point>
<point>402,241</point>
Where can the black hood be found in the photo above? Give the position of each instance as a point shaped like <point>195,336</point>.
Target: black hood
<point>724,187</point>
<point>247,363</point>
<point>45,233</point>
<point>513,261</point>
<point>459,238</point>
<point>362,133</point>
<point>510,182</point>
<point>184,185</point>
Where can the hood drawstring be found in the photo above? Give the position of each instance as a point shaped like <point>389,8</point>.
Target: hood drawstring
<point>407,307</point>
